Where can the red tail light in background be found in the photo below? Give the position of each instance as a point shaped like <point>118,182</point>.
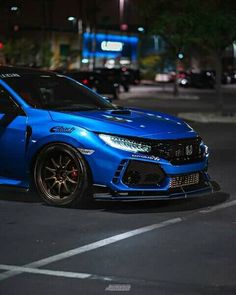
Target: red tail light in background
<point>85,81</point>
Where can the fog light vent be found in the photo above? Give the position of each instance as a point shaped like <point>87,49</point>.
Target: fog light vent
<point>118,171</point>
<point>139,173</point>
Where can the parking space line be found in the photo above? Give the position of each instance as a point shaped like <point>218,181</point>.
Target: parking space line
<point>66,274</point>
<point>89,247</point>
<point>32,267</point>
<point>219,207</point>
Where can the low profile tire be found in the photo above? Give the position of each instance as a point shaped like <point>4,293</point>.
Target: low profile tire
<point>62,177</point>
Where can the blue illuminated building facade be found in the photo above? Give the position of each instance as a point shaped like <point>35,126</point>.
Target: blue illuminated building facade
<point>103,46</point>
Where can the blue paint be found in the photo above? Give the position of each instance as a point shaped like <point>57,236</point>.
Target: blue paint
<point>17,155</point>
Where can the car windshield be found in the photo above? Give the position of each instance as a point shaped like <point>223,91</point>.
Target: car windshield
<point>56,93</point>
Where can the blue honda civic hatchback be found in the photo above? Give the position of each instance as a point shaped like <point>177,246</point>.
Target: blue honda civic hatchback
<point>74,146</point>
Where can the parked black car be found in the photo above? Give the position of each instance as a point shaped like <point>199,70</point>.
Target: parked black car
<point>204,79</point>
<point>134,76</point>
<point>119,77</point>
<point>97,80</point>
<point>85,77</point>
<point>107,82</point>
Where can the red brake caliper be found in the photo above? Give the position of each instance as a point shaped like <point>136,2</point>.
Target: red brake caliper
<point>74,173</point>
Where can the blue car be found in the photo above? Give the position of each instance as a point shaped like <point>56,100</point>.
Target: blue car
<point>74,146</point>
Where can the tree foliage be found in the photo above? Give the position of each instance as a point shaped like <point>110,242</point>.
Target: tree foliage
<point>22,51</point>
<point>209,25</point>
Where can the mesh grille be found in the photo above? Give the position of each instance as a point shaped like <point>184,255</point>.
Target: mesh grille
<point>178,151</point>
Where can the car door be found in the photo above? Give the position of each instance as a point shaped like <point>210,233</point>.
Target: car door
<point>12,139</point>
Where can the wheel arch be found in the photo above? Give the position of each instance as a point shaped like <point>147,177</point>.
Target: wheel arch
<point>34,156</point>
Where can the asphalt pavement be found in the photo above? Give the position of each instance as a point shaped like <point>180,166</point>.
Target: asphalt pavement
<point>163,247</point>
<point>160,97</point>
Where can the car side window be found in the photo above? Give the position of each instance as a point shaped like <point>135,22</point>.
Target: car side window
<point>7,105</point>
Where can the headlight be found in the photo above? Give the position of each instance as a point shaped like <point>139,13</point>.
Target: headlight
<point>125,144</point>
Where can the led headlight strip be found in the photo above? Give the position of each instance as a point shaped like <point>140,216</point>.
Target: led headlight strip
<point>125,144</point>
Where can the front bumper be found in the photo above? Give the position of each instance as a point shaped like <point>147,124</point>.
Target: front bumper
<point>109,168</point>
<point>105,194</point>
<point>155,181</point>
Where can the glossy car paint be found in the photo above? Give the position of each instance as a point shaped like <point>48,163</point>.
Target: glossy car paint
<point>26,134</point>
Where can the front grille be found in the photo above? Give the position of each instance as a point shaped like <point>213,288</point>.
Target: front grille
<point>176,151</point>
<point>179,151</point>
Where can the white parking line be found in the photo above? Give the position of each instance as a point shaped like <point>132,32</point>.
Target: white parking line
<point>89,247</point>
<point>219,207</point>
<point>66,274</point>
<point>33,266</point>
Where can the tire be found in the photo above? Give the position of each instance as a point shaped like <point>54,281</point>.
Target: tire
<point>62,177</point>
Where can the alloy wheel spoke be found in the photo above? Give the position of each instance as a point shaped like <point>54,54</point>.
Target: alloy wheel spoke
<point>71,171</point>
<point>67,163</point>
<point>52,186</point>
<point>66,187</point>
<point>59,188</point>
<point>50,178</point>
<point>55,164</point>
<point>60,160</point>
<point>60,175</point>
<point>51,169</point>
<point>70,180</point>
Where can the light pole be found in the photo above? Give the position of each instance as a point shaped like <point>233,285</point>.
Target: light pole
<point>79,30</point>
<point>122,5</point>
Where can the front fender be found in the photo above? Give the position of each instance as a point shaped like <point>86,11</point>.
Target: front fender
<point>79,138</point>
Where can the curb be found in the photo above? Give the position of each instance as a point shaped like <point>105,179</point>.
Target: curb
<point>208,117</point>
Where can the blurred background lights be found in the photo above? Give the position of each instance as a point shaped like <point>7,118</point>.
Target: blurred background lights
<point>180,55</point>
<point>141,29</point>
<point>85,60</point>
<point>14,8</point>
<point>71,18</point>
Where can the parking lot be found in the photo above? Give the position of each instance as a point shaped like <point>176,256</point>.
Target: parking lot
<point>163,247</point>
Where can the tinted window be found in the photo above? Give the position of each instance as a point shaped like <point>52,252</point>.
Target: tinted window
<point>6,103</point>
<point>56,92</point>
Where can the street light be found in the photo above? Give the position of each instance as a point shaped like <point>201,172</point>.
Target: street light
<point>71,18</point>
<point>78,27</point>
<point>14,8</point>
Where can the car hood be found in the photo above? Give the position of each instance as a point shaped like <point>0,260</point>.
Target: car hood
<point>127,122</point>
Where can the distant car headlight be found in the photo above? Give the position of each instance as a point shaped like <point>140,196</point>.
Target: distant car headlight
<point>125,144</point>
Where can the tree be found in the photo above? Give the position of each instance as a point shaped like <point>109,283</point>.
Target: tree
<point>209,25</point>
<point>23,52</point>
<point>174,22</point>
<point>19,51</point>
<point>149,64</point>
<point>215,31</point>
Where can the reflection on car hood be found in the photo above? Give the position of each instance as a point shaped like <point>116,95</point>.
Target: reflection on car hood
<point>129,122</point>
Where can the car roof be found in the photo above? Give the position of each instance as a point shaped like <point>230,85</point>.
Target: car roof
<point>23,70</point>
